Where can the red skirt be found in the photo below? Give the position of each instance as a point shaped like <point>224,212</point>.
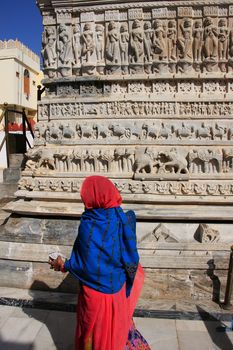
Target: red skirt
<point>104,320</point>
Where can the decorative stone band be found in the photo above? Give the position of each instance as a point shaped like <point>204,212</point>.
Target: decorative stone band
<point>136,109</point>
<point>128,131</point>
<point>139,38</point>
<point>195,189</point>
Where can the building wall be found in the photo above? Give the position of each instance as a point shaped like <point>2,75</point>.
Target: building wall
<point>15,58</point>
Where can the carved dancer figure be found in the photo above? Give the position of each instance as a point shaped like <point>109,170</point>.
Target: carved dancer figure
<point>147,39</point>
<point>113,45</point>
<point>222,39</point>
<point>159,40</point>
<point>171,40</point>
<point>76,44</point>
<point>197,41</point>
<point>49,47</point>
<point>64,46</point>
<point>185,42</point>
<point>136,42</point>
<point>99,42</point>
<point>124,44</point>
<point>210,39</point>
<point>87,41</point>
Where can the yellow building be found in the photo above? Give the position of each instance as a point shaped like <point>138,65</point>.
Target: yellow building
<point>19,77</point>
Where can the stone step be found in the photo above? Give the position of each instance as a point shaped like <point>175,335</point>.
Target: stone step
<point>172,309</point>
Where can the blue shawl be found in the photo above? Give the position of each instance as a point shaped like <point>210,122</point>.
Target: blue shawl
<point>104,254</point>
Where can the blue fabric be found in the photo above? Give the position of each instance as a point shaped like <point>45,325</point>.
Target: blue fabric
<point>105,253</point>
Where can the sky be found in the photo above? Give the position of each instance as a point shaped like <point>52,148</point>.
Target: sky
<point>21,19</point>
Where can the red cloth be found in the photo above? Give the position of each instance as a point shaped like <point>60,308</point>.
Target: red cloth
<point>99,192</point>
<point>104,320</point>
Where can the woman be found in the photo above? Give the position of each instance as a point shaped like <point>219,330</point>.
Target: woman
<point>106,262</point>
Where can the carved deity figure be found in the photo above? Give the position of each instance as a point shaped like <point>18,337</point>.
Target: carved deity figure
<point>222,39</point>
<point>197,41</point>
<point>124,44</point>
<point>64,46</point>
<point>88,44</point>
<point>136,42</point>
<point>171,40</point>
<point>99,42</point>
<point>113,44</point>
<point>76,44</point>
<point>49,47</point>
<point>210,39</point>
<point>185,41</point>
<point>159,40</point>
<point>148,35</point>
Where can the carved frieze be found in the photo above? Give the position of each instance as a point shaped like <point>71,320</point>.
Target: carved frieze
<point>140,40</point>
<point>136,109</point>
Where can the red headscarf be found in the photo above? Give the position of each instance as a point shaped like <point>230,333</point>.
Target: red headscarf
<point>99,192</point>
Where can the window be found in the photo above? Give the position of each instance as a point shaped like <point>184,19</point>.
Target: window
<point>26,85</point>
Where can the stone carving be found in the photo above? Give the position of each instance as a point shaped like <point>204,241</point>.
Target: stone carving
<point>148,35</point>
<point>162,234</point>
<point>49,49</point>
<point>136,46</point>
<point>99,43</point>
<point>222,39</point>
<point>172,161</point>
<point>88,49</point>
<point>40,157</point>
<point>197,43</point>
<point>64,48</point>
<point>124,47</point>
<point>113,47</point>
<point>210,43</point>
<point>206,161</point>
<point>171,40</point>
<point>76,44</point>
<point>206,234</point>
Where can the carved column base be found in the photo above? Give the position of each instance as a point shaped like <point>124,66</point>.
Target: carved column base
<point>223,65</point>
<point>172,66</point>
<point>77,70</point>
<point>148,67</point>
<point>125,69</point>
<point>65,71</point>
<point>100,68</point>
<point>136,68</point>
<point>50,72</point>
<point>88,68</point>
<point>160,67</point>
<point>113,69</point>
<point>210,65</point>
<point>185,66</point>
<point>197,66</point>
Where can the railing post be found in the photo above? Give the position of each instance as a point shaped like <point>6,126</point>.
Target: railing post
<point>229,286</point>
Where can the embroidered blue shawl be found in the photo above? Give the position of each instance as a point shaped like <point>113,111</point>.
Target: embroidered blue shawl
<point>104,254</point>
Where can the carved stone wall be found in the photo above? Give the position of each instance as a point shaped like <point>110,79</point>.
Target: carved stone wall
<point>139,91</point>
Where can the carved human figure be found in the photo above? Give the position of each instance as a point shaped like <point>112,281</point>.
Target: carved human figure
<point>124,44</point>
<point>147,39</point>
<point>171,40</point>
<point>185,41</point>
<point>64,46</point>
<point>76,44</point>
<point>222,39</point>
<point>113,44</point>
<point>210,39</point>
<point>88,44</point>
<point>99,42</point>
<point>159,40</point>
<point>49,47</point>
<point>197,41</point>
<point>136,42</point>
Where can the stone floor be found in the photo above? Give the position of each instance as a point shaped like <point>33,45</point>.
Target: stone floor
<point>37,329</point>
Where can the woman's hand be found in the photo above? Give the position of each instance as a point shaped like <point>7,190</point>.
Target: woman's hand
<point>56,264</point>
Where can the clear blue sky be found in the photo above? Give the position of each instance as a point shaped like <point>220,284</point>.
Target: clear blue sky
<point>21,19</point>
